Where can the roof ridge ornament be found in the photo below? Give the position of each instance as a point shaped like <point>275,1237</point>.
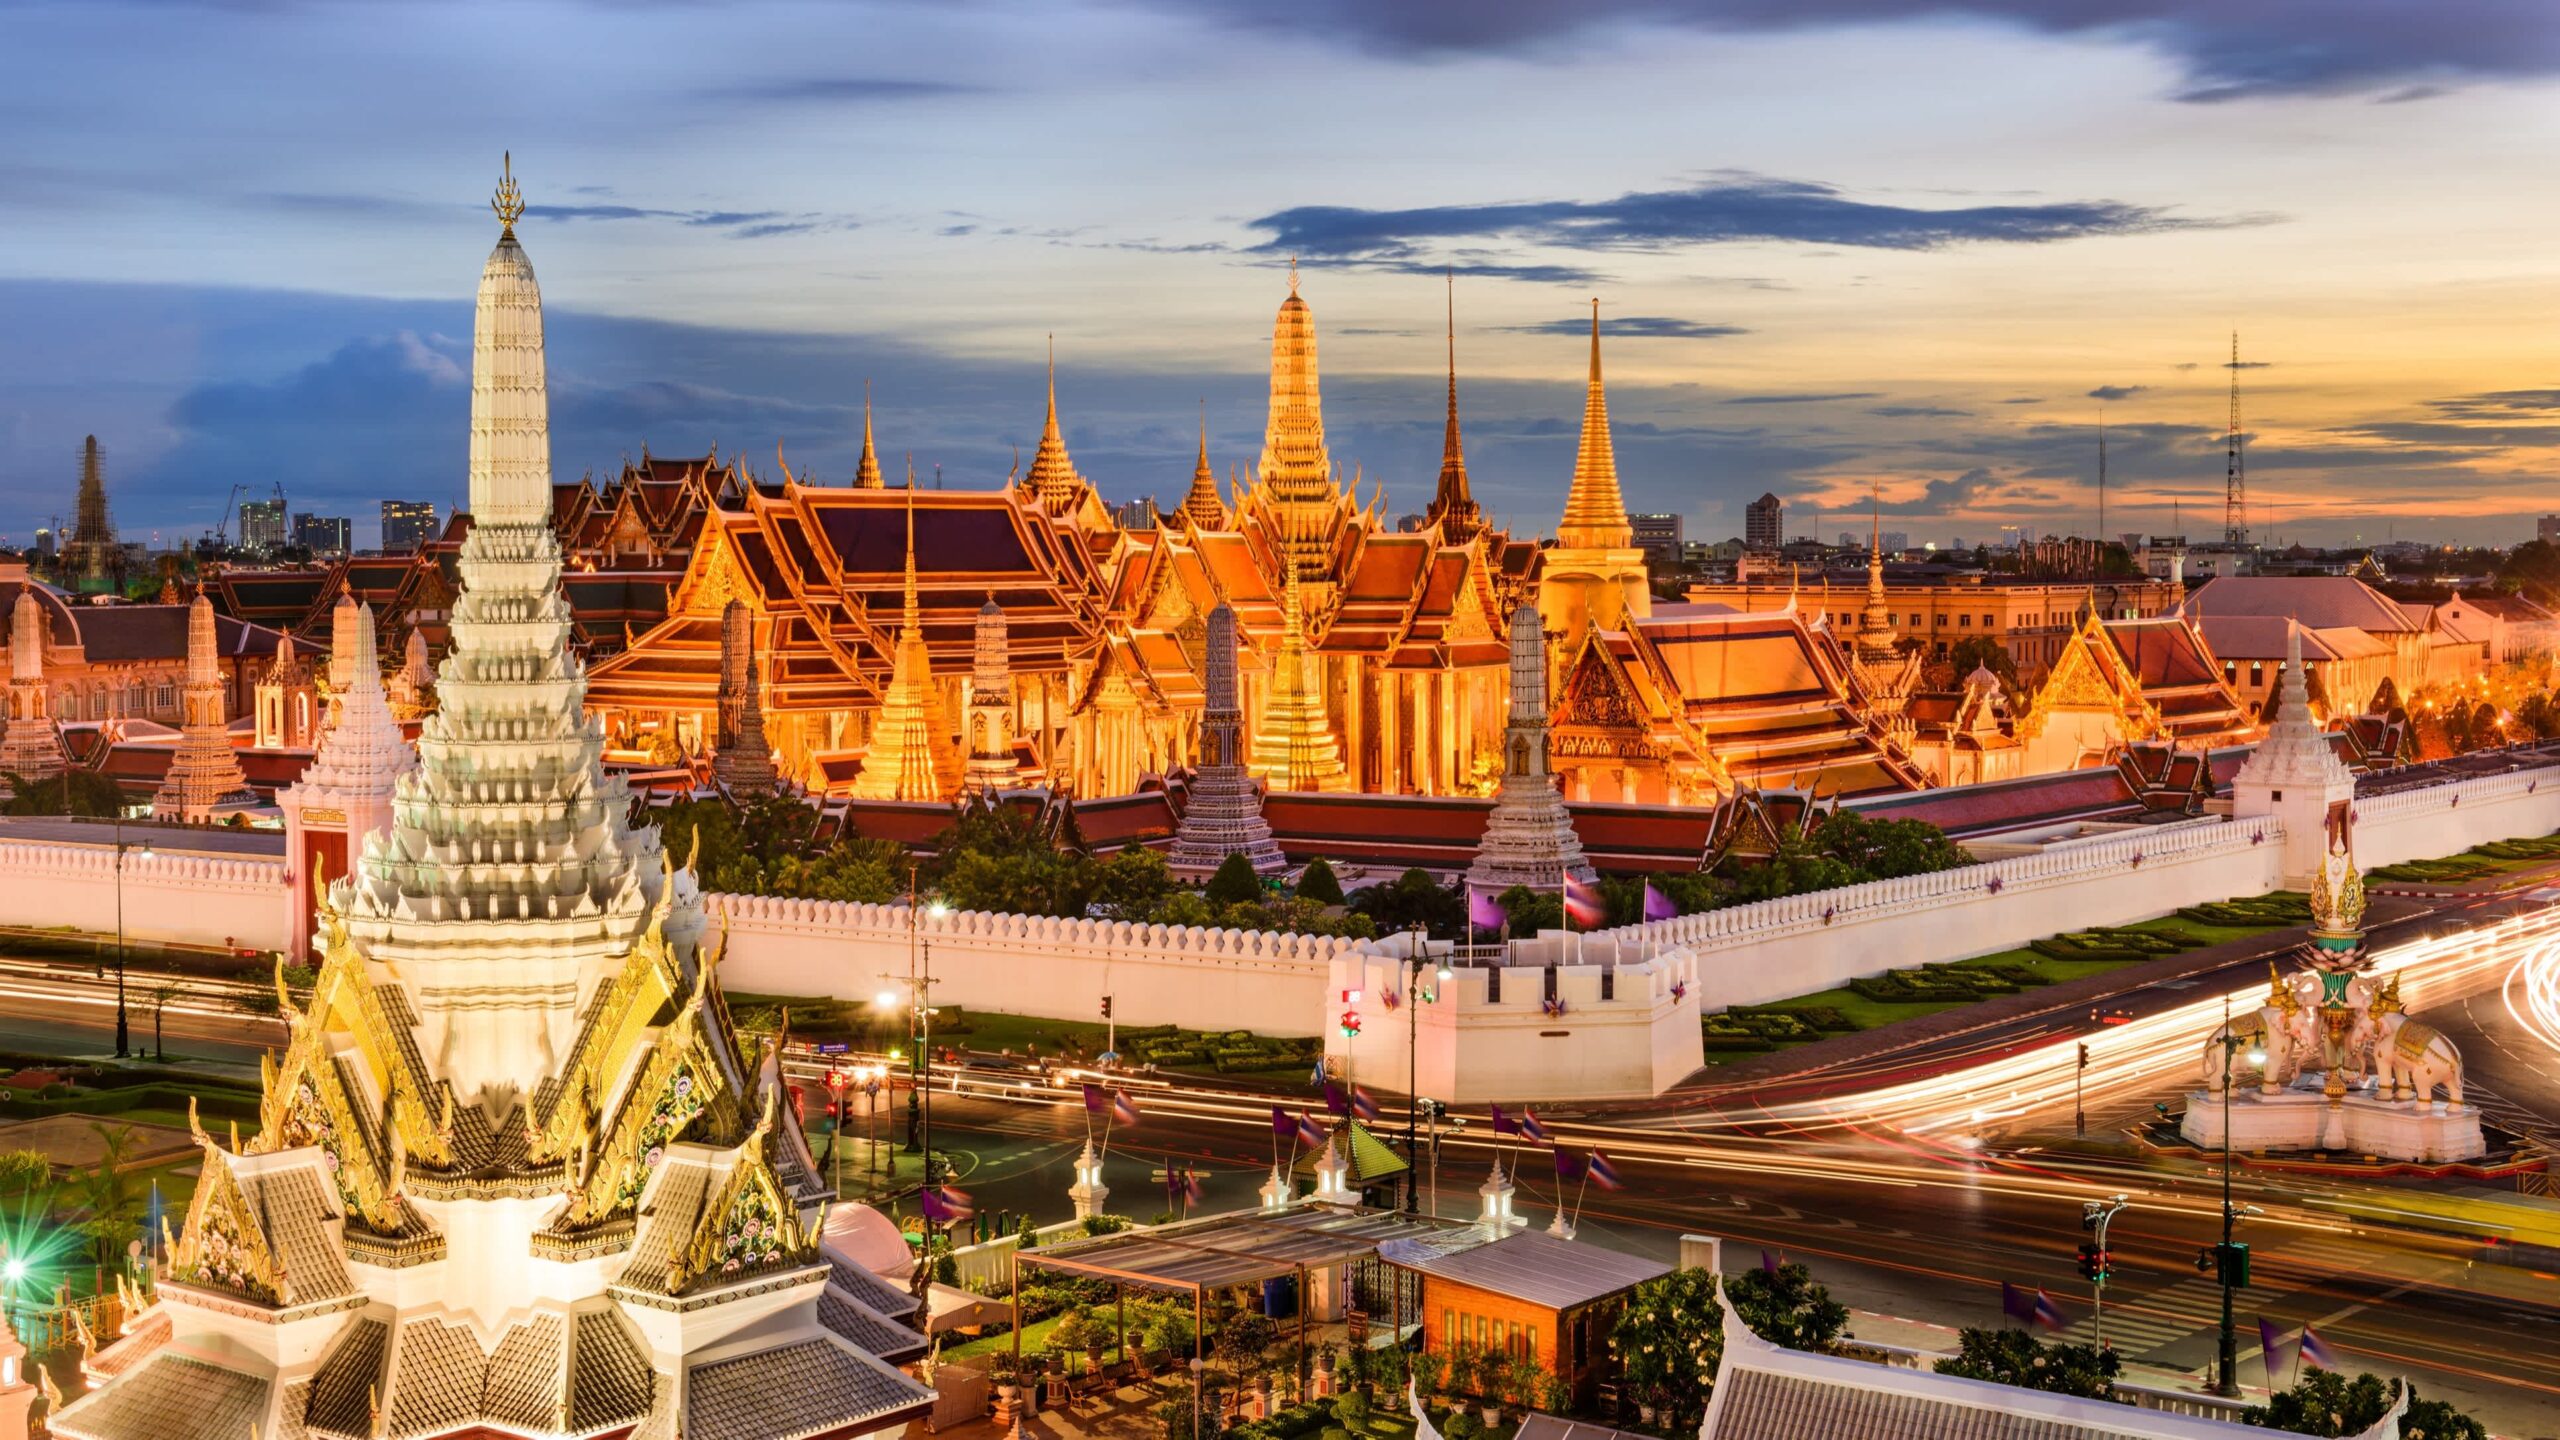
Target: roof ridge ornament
<point>508,203</point>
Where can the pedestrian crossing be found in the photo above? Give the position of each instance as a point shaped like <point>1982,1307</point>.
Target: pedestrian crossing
<point>2139,1326</point>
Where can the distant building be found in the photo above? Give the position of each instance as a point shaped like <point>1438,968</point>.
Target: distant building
<point>1658,536</point>
<point>1764,523</point>
<point>262,526</point>
<point>2547,529</point>
<point>322,534</point>
<point>2033,620</point>
<point>407,524</point>
<point>44,542</point>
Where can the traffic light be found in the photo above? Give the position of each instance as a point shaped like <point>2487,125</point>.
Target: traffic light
<point>2227,1262</point>
<point>2096,1265</point>
<point>2084,1054</point>
<point>1106,1007</point>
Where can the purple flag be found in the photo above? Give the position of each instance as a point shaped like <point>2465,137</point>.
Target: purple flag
<point>2315,1351</point>
<point>2271,1346</point>
<point>1123,1109</point>
<point>1094,1100</point>
<point>1282,1127</point>
<point>1485,912</point>
<point>2015,1303</point>
<point>1335,1101</point>
<point>1190,1185</point>
<point>1362,1107</point>
<point>1530,1127</point>
<point>1569,1167</point>
<point>1503,1124</point>
<point>1769,1264</point>
<point>1583,905</point>
<point>1604,1174</point>
<point>1658,906</point>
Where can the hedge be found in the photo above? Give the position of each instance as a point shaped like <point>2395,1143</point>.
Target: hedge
<point>2112,942</point>
<point>2261,910</point>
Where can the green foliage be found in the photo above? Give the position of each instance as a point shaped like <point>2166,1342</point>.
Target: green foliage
<point>1318,883</point>
<point>1669,1339</point>
<point>1414,898</point>
<point>1235,883</point>
<point>1352,1409</point>
<point>2113,943</point>
<point>24,1170</point>
<point>2268,911</point>
<point>1530,911</point>
<point>2012,1357</point>
<point>1937,984</point>
<point>73,792</point>
<point>262,1000</point>
<point>1027,1233</point>
<point>2450,871</point>
<point>2324,1402</point>
<point>762,847</point>
<point>1975,651</point>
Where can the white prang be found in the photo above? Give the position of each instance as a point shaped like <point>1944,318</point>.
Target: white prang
<point>512,880</point>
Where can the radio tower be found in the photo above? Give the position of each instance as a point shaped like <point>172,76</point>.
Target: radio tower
<point>2235,479</point>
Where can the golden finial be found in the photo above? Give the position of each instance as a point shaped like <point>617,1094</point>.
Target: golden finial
<point>509,201</point>
<point>1293,274</point>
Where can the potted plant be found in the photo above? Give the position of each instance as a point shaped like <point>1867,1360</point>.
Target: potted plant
<point>1326,1354</point>
<point>1458,1373</point>
<point>1493,1373</point>
<point>1006,1372</point>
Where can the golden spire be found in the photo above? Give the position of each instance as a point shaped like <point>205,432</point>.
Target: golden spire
<point>1053,475</point>
<point>1595,514</point>
<point>509,201</point>
<point>1293,289</point>
<point>1453,508</point>
<point>1201,505</point>
<point>907,618</point>
<point>866,471</point>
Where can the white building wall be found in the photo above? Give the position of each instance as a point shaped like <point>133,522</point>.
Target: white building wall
<point>169,897</point>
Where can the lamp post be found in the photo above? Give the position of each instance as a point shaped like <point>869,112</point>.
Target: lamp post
<point>2094,1215</point>
<point>837,1080</point>
<point>2227,1257</point>
<point>919,1028</point>
<point>124,1046</point>
<point>1415,998</point>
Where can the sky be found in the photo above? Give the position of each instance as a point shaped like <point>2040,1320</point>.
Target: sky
<point>1842,248</point>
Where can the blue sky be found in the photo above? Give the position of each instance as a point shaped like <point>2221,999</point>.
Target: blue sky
<point>1838,243</point>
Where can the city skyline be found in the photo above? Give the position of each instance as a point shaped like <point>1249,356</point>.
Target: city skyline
<point>1870,243</point>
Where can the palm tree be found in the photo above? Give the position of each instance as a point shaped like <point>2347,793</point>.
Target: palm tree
<point>160,997</point>
<point>108,1193</point>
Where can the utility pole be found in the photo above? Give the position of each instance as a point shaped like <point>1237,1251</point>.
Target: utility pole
<point>1415,997</point>
<point>2097,1263</point>
<point>2079,1111</point>
<point>2228,1261</point>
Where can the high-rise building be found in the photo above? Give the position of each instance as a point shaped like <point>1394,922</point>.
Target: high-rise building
<point>262,525</point>
<point>2547,529</point>
<point>1658,535</point>
<point>1764,523</point>
<point>322,534</point>
<point>407,524</point>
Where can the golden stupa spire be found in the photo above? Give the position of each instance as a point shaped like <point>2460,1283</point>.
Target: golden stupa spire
<point>1053,475</point>
<point>1201,505</point>
<point>1453,507</point>
<point>1294,748</point>
<point>866,471</point>
<point>509,201</point>
<point>1595,514</point>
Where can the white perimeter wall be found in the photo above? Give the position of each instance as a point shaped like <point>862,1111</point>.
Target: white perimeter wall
<point>1032,964</point>
<point>169,896</point>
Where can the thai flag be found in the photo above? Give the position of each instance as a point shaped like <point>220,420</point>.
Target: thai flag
<point>1604,1174</point>
<point>1503,1124</point>
<point>1095,1102</point>
<point>946,1205</point>
<point>1530,1127</point>
<point>1569,1167</point>
<point>2271,1346</point>
<point>2045,1314</point>
<point>1308,1133</point>
<point>1658,906</point>
<point>1583,905</point>
<point>1336,1100</point>
<point>1362,1107</point>
<point>1485,912</point>
<point>2315,1351</point>
<point>1188,1185</point>
<point>1123,1109</point>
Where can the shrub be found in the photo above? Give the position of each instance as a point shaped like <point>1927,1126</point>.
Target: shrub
<point>2012,1357</point>
<point>1235,883</point>
<point>2259,910</point>
<point>1318,883</point>
<point>2325,1402</point>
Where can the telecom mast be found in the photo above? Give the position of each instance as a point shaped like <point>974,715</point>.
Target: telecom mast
<point>2235,479</point>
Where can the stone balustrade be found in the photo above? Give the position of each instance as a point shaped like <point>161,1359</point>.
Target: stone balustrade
<point>169,897</point>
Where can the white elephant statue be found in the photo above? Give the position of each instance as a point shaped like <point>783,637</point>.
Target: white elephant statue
<point>2410,1059</point>
<point>2279,1034</point>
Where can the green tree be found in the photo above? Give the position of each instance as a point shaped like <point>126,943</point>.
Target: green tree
<point>1410,899</point>
<point>2012,1357</point>
<point>1530,911</point>
<point>1888,849</point>
<point>1318,883</point>
<point>1785,1307</point>
<point>1669,1338</point>
<point>2324,1402</point>
<point>1975,652</point>
<point>73,792</point>
<point>108,1195</point>
<point>2534,569</point>
<point>1235,883</point>
<point>161,996</point>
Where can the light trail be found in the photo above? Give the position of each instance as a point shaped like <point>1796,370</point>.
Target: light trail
<point>2533,994</point>
<point>2141,1054</point>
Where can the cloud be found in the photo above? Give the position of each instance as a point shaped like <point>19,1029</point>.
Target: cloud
<point>1804,397</point>
<point>1962,492</point>
<point>1732,208</point>
<point>1632,327</point>
<point>2247,364</point>
<point>2117,392</point>
<point>839,90</point>
<point>741,224</point>
<point>1917,412</point>
<point>2223,50</point>
<point>2024,400</point>
<point>2499,404</point>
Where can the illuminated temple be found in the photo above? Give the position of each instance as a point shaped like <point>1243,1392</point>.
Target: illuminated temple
<point>516,1173</point>
<point>1369,659</point>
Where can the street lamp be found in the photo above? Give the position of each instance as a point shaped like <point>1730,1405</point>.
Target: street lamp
<point>2094,1215</point>
<point>124,1046</point>
<point>920,1025</point>
<point>1415,998</point>
<point>2229,1260</point>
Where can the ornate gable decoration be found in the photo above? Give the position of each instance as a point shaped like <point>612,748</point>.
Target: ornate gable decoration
<point>750,1225</point>
<point>618,1025</point>
<point>223,1246</point>
<point>712,578</point>
<point>2081,680</point>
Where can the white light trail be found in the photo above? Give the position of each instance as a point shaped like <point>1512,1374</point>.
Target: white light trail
<point>2533,994</point>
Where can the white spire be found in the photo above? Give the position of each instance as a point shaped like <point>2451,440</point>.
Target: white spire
<point>510,401</point>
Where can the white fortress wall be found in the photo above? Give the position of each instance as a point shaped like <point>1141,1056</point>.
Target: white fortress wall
<point>170,897</point>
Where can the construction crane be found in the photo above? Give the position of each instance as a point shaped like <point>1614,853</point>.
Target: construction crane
<point>221,534</point>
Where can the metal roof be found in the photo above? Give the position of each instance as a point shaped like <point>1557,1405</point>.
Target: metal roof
<point>1535,1267</point>
<point>1233,1250</point>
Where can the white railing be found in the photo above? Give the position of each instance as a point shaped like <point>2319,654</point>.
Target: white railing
<point>82,860</point>
<point>852,919</point>
<point>2452,794</point>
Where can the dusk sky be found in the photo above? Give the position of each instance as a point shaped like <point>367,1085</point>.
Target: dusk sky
<point>1835,242</point>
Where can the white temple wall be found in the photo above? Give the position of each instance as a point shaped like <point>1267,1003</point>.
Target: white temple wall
<point>1032,964</point>
<point>2449,819</point>
<point>170,897</point>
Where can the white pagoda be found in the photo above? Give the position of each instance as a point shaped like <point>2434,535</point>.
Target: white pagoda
<point>515,1174</point>
<point>1529,838</point>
